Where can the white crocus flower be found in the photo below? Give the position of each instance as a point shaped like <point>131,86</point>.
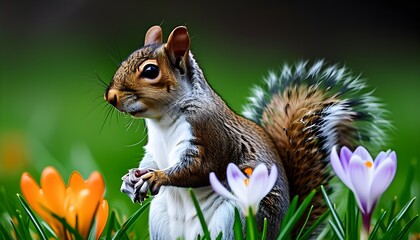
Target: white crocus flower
<point>249,190</point>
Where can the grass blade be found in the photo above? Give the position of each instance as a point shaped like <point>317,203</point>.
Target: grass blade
<point>336,230</point>
<point>306,221</point>
<point>200,215</point>
<point>33,218</point>
<point>351,218</point>
<point>111,224</point>
<point>5,233</point>
<point>47,228</point>
<point>382,226</point>
<point>93,226</point>
<point>237,226</point>
<point>22,225</point>
<point>290,211</point>
<point>392,211</point>
<point>315,225</point>
<point>130,221</point>
<point>296,216</point>
<point>405,209</point>
<point>334,214</point>
<point>372,235</point>
<point>16,230</point>
<point>400,214</point>
<point>406,227</point>
<point>67,226</point>
<point>264,232</point>
<point>118,226</point>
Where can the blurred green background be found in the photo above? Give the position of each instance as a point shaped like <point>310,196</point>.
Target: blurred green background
<point>52,53</point>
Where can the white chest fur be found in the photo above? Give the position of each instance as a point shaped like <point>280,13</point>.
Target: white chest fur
<point>167,140</point>
<point>172,213</point>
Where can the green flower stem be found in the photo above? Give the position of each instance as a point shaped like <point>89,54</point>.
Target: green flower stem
<point>251,228</point>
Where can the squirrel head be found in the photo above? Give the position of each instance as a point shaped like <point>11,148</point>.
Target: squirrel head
<point>152,78</point>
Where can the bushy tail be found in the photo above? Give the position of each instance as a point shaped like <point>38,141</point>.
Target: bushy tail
<point>309,109</point>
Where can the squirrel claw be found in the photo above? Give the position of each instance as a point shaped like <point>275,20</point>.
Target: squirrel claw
<point>134,186</point>
<point>156,179</point>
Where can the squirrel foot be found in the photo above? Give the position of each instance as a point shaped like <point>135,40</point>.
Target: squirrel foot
<point>156,178</point>
<point>134,186</point>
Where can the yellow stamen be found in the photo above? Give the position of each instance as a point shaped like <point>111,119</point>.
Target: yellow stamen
<point>368,164</point>
<point>248,171</point>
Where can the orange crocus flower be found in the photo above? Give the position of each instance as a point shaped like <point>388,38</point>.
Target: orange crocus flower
<point>78,203</point>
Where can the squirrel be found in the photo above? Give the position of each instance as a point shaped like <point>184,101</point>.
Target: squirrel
<point>293,123</point>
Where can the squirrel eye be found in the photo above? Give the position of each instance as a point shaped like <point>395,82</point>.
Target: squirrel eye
<point>150,71</point>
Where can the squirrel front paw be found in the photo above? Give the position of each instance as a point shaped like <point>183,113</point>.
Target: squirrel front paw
<point>156,179</point>
<point>134,186</point>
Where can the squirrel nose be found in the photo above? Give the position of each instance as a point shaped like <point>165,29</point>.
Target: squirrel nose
<point>112,97</point>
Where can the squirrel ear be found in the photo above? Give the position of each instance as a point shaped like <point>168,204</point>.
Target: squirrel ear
<point>153,36</point>
<point>178,45</point>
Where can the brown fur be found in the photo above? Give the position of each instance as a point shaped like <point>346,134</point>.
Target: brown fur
<point>290,120</point>
<point>219,135</point>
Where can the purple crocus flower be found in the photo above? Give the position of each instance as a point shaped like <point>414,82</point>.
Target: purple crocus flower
<point>366,178</point>
<point>249,190</point>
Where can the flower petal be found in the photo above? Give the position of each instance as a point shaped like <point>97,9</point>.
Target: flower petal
<point>360,181</point>
<point>345,155</point>
<point>219,188</point>
<point>381,156</point>
<point>236,180</point>
<point>34,195</point>
<point>272,179</point>
<point>86,205</point>
<point>96,184</point>
<point>382,178</point>
<point>88,200</point>
<point>54,190</point>
<point>258,183</point>
<point>71,215</point>
<point>76,182</point>
<point>363,154</point>
<point>32,192</point>
<point>101,218</point>
<point>338,167</point>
